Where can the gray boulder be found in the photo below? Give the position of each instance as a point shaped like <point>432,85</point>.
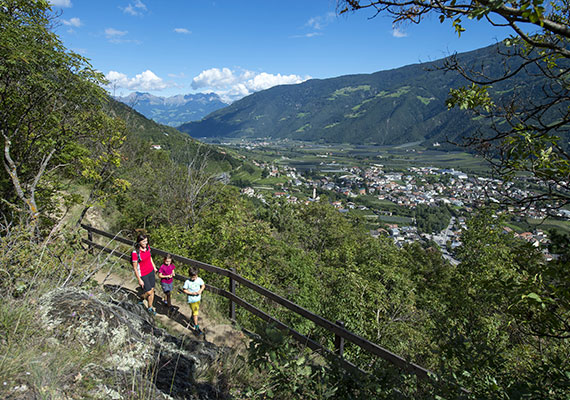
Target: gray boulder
<point>165,366</point>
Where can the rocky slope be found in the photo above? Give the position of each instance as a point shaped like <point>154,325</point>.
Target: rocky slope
<point>134,348</point>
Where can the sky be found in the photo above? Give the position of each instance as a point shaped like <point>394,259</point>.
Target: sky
<point>234,48</point>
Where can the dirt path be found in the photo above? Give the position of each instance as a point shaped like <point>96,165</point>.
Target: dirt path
<point>219,334</point>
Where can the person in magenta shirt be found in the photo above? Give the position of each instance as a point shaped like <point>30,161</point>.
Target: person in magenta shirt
<point>166,275</point>
<point>144,268</point>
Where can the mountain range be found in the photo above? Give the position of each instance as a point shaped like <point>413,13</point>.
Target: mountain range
<point>179,146</point>
<point>174,110</point>
<point>389,107</point>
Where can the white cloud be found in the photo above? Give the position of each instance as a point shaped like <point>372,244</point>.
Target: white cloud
<point>316,25</point>
<point>265,81</point>
<point>144,81</point>
<point>232,85</point>
<point>214,78</point>
<point>321,21</point>
<point>177,76</point>
<point>115,36</point>
<point>136,9</point>
<point>60,3</point>
<point>397,33</point>
<point>113,33</point>
<point>308,35</point>
<point>76,22</point>
<point>182,30</point>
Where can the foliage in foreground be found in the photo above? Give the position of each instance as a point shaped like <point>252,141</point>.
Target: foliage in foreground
<point>52,125</point>
<point>31,360</point>
<point>496,324</point>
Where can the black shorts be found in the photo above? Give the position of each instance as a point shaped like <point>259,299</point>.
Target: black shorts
<point>148,281</point>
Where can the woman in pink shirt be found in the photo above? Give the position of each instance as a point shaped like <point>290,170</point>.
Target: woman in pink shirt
<point>144,270</point>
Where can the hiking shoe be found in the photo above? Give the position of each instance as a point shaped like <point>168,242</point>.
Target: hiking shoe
<point>198,330</point>
<point>152,311</point>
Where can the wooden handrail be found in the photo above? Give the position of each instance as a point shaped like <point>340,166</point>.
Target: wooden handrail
<point>175,257</point>
<point>304,340</point>
<point>335,328</point>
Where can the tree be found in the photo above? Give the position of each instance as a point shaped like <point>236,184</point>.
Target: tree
<point>44,91</point>
<point>164,191</point>
<point>528,135</point>
<point>104,138</point>
<point>505,303</point>
<point>191,189</point>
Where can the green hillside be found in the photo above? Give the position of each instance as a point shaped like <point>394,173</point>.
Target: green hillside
<point>387,107</point>
<point>179,145</point>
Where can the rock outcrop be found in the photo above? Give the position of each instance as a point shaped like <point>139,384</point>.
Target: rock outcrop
<point>137,355</point>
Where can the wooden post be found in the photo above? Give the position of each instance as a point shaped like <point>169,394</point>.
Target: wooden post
<point>232,291</point>
<point>90,238</point>
<point>339,341</point>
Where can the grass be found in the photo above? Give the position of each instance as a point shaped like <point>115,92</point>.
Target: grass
<point>400,91</point>
<point>355,115</point>
<point>17,326</point>
<point>364,214</point>
<point>395,220</point>
<point>545,225</point>
<point>425,100</point>
<point>32,360</point>
<point>346,90</point>
<point>392,157</point>
<point>302,128</point>
<point>271,180</point>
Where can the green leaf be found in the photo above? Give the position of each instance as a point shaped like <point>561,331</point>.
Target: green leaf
<point>533,296</point>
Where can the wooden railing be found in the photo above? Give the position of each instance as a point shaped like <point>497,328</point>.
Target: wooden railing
<point>341,333</point>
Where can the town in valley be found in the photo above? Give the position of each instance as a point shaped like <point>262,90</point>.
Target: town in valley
<point>389,186</point>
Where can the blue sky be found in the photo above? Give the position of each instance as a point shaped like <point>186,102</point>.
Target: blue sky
<point>234,48</point>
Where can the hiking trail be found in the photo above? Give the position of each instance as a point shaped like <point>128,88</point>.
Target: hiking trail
<point>216,333</point>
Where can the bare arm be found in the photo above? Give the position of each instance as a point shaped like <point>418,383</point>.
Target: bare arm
<point>194,293</point>
<point>137,273</point>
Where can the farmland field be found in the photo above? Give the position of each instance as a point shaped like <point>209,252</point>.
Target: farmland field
<point>307,156</point>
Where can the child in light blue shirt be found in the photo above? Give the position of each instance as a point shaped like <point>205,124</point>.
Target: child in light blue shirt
<point>193,287</point>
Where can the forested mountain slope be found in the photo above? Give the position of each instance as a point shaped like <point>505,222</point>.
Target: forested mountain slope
<point>180,147</point>
<point>387,107</point>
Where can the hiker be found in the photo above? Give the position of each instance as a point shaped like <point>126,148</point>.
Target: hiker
<point>193,287</point>
<point>166,275</point>
<point>144,270</point>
